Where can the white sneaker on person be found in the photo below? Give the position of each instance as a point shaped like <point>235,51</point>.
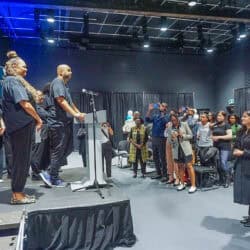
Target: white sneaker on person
<point>192,190</point>
<point>1,180</point>
<point>181,187</point>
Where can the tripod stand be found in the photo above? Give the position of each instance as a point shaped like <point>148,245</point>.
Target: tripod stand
<point>95,182</point>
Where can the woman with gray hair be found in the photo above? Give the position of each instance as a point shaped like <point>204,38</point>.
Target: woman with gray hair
<point>19,116</point>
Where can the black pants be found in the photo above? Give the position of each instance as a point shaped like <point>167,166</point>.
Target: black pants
<point>1,157</point>
<point>107,155</point>
<point>137,160</point>
<point>57,146</point>
<point>8,153</point>
<point>159,155</point>
<point>83,150</point>
<point>21,149</point>
<point>40,156</point>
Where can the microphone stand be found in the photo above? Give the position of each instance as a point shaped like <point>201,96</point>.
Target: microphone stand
<point>96,185</point>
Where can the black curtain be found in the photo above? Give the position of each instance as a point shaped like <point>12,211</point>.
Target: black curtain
<point>242,100</point>
<point>117,105</point>
<point>185,100</point>
<point>171,99</point>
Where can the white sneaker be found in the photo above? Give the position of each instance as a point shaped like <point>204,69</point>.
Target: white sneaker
<point>1,180</point>
<point>181,187</point>
<point>192,190</point>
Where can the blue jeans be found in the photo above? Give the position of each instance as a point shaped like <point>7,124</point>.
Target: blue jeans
<point>224,156</point>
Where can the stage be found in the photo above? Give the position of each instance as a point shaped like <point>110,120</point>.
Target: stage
<point>62,219</point>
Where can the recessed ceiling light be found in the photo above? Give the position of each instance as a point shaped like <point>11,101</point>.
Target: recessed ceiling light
<point>50,19</point>
<point>192,3</point>
<point>164,29</point>
<point>51,40</point>
<point>243,36</point>
<point>210,50</point>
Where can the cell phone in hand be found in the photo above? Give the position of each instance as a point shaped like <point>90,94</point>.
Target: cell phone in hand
<point>156,105</point>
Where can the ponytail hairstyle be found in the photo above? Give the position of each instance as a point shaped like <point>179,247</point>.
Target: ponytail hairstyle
<point>14,59</point>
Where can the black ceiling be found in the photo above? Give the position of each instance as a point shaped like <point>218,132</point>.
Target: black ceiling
<point>116,24</point>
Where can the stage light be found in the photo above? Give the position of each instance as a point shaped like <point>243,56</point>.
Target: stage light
<point>163,23</point>
<point>242,31</point>
<point>192,3</point>
<point>210,50</point>
<point>243,36</point>
<point>51,40</point>
<point>146,43</point>
<point>50,19</point>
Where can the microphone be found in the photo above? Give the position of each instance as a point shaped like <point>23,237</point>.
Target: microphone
<point>89,92</point>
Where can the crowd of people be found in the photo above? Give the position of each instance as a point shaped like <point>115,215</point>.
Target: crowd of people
<point>36,127</point>
<point>181,139</point>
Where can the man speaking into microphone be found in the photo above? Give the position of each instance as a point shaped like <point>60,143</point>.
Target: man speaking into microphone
<point>64,111</point>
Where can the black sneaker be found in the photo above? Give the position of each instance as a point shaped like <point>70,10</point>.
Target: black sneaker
<point>156,177</point>
<point>245,220</point>
<point>247,224</point>
<point>164,179</point>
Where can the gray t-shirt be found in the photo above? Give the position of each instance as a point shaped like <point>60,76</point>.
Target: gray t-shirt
<point>15,116</point>
<point>204,136</point>
<point>59,89</point>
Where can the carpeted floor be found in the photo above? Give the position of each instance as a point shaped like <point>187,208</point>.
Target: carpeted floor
<point>165,219</point>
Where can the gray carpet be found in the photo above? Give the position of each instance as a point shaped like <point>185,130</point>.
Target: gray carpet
<point>166,219</point>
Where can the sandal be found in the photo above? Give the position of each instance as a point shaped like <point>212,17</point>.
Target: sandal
<point>25,200</point>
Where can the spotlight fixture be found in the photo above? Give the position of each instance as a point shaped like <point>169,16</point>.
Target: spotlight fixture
<point>242,31</point>
<point>163,23</point>
<point>210,48</point>
<point>51,40</point>
<point>50,19</point>
<point>192,3</point>
<point>146,43</point>
<point>50,16</point>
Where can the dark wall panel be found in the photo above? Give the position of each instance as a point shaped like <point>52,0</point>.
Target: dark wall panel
<point>232,71</point>
<point>123,71</point>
